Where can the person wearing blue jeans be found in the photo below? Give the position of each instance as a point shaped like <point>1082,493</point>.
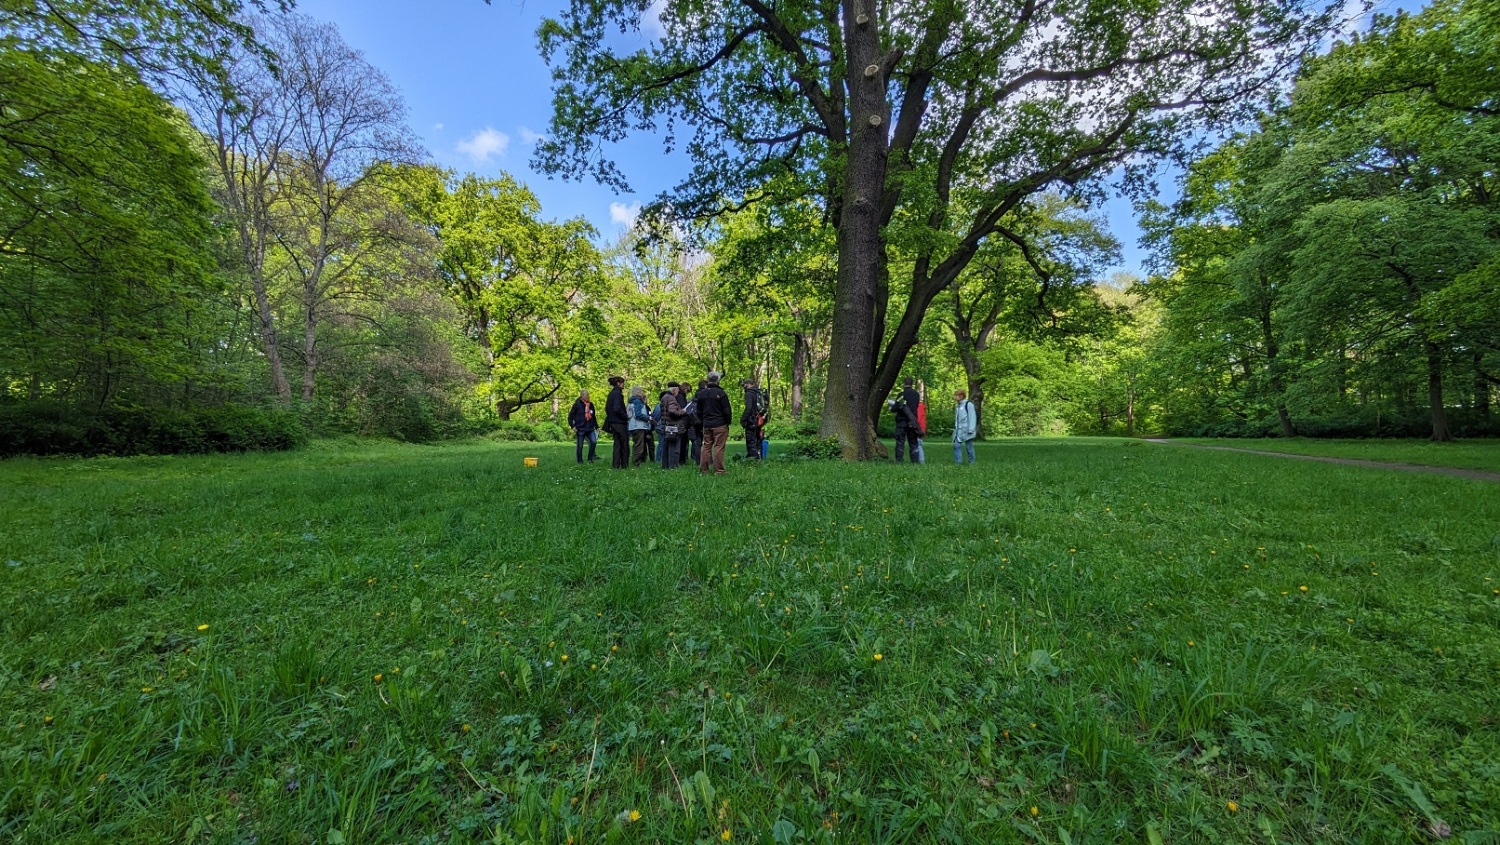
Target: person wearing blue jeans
<point>965,426</point>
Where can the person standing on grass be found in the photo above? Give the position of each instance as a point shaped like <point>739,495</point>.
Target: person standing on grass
<point>921,429</point>
<point>908,435</point>
<point>671,426</point>
<point>685,438</point>
<point>617,421</point>
<point>585,425</point>
<point>965,425</point>
<point>639,426</point>
<point>694,421</point>
<point>715,412</point>
<point>753,419</point>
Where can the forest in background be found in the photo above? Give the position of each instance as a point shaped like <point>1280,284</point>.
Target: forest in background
<point>219,233</point>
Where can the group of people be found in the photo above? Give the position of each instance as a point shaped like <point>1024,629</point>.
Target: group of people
<point>677,429</point>
<point>680,429</point>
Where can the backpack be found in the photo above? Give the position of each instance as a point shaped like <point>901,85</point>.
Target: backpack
<point>755,415</point>
<point>656,416</point>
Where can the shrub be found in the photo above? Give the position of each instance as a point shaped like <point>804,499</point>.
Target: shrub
<point>55,428</point>
<point>816,448</point>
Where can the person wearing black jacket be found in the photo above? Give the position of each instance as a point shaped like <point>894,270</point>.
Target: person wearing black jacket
<point>907,431</point>
<point>585,425</point>
<point>715,412</point>
<point>753,420</point>
<point>616,422</point>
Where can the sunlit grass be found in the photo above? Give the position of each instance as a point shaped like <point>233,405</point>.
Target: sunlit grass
<point>409,644</point>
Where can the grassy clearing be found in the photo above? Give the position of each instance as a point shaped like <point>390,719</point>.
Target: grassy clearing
<point>1466,454</point>
<point>1075,642</point>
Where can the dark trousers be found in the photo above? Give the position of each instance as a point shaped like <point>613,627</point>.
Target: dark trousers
<point>640,441</point>
<point>671,453</point>
<point>621,458</point>
<point>582,439</point>
<point>694,445</point>
<point>753,436</point>
<point>906,438</point>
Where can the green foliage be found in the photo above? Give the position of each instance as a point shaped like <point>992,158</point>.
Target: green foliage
<point>55,428</point>
<point>1111,632</point>
<point>816,448</point>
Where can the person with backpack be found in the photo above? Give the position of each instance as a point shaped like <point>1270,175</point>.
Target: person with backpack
<point>908,428</point>
<point>617,422</point>
<point>671,426</point>
<point>639,426</point>
<point>965,426</point>
<point>585,425</point>
<point>753,420</point>
<point>715,412</point>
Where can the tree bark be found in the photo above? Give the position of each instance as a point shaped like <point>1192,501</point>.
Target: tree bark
<point>269,343</point>
<point>846,405</point>
<point>1481,387</point>
<point>799,372</point>
<point>1440,431</point>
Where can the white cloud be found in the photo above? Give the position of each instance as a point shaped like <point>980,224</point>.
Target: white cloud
<point>651,24</point>
<point>485,144</point>
<point>529,137</point>
<point>623,214</point>
<point>437,127</point>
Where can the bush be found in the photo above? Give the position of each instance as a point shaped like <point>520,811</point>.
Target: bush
<point>816,448</point>
<point>55,428</point>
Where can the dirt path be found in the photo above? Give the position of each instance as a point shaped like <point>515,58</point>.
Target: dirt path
<point>1455,472</point>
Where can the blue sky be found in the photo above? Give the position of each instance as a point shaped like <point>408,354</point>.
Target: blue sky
<point>479,95</point>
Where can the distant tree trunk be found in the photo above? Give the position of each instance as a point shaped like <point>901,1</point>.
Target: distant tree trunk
<point>1273,362</point>
<point>270,345</point>
<point>1130,411</point>
<point>1440,431</point>
<point>799,372</point>
<point>1481,387</point>
<point>309,346</point>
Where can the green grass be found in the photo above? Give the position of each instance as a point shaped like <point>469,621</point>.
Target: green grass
<point>1110,632</point>
<point>1465,454</point>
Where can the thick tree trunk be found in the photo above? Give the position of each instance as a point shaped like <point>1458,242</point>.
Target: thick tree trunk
<point>847,402</point>
<point>799,372</point>
<point>1440,431</point>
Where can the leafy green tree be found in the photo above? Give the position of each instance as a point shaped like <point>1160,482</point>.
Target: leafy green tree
<point>915,126</point>
<point>106,241</point>
<point>529,291</point>
<point>1035,282</point>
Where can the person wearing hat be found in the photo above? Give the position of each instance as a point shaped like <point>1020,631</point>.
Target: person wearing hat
<point>617,422</point>
<point>715,411</point>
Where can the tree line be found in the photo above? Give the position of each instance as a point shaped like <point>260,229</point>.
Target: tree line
<point>226,210</point>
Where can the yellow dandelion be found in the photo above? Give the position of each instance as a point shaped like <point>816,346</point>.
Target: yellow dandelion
<point>564,658</point>
<point>379,677</point>
<point>1233,807</point>
<point>203,627</point>
<point>467,728</point>
<point>1035,812</point>
<point>879,657</point>
<point>1303,588</point>
<point>146,689</point>
<point>1191,643</point>
<point>726,836</point>
<point>47,720</point>
<point>614,648</point>
<point>635,815</point>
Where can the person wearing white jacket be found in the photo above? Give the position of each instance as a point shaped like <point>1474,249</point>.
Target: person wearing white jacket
<point>965,425</point>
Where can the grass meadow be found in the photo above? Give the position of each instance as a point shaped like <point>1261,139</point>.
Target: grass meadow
<point>1483,455</point>
<point>1071,642</point>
